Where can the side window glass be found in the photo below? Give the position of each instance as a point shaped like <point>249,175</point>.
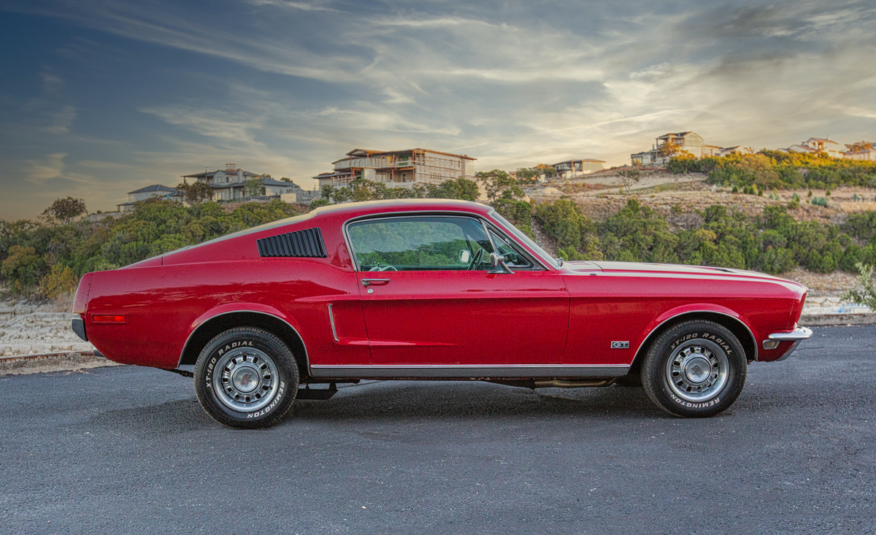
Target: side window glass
<point>513,257</point>
<point>422,243</point>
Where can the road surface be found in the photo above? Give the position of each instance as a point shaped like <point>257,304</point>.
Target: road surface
<point>128,450</point>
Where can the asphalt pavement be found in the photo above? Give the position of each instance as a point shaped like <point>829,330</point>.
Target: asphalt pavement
<point>129,450</point>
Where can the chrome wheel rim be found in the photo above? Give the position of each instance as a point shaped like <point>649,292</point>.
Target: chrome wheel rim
<point>697,370</point>
<point>246,379</point>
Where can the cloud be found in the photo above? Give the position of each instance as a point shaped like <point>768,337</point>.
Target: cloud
<point>293,5</point>
<point>60,120</point>
<point>39,171</point>
<point>51,82</point>
<point>292,85</point>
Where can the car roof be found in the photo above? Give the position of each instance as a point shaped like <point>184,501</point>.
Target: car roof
<point>356,209</point>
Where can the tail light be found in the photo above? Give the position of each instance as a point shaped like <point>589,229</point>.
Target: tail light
<point>108,318</point>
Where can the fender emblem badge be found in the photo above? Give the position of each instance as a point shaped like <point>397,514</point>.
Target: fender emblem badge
<point>620,345</point>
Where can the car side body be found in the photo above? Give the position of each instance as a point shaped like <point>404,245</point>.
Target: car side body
<point>299,279</point>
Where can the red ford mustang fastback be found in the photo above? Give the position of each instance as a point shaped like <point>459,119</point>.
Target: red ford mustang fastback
<point>430,290</point>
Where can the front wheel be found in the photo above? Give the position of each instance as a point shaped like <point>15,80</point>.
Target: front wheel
<point>695,369</point>
<point>246,377</point>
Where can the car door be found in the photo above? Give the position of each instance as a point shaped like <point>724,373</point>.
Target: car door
<point>430,297</point>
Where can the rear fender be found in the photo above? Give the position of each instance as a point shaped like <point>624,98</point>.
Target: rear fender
<point>252,308</point>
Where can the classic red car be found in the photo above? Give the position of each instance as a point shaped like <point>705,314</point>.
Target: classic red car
<point>430,289</point>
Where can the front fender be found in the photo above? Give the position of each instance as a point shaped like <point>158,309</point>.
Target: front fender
<point>690,309</point>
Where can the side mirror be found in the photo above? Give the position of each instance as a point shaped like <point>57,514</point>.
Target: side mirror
<point>497,264</point>
<point>560,260</point>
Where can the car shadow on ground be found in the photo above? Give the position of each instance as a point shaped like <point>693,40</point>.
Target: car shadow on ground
<point>170,418</point>
<point>413,399</point>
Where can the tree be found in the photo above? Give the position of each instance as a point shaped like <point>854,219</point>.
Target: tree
<point>497,181</point>
<point>865,294</point>
<point>670,149</point>
<point>195,193</point>
<point>860,146</point>
<point>65,210</point>
<point>546,170</point>
<point>60,281</point>
<point>316,203</point>
<point>460,188</point>
<point>254,188</point>
<point>528,175</point>
<point>629,177</point>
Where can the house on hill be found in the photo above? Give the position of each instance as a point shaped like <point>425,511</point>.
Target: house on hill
<point>572,168</point>
<point>401,168</point>
<point>867,153</point>
<point>156,191</point>
<point>687,142</point>
<point>228,184</point>
<point>817,145</point>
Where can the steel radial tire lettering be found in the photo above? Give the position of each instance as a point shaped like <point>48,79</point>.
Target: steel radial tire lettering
<point>246,377</point>
<point>695,369</point>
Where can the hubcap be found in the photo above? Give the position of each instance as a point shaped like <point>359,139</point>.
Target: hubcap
<point>697,370</point>
<point>246,379</point>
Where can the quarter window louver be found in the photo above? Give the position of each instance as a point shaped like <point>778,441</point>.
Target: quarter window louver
<point>301,243</point>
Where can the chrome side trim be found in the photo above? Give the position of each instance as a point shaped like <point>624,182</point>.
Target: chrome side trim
<point>655,329</point>
<point>471,371</point>
<point>332,321</point>
<point>183,352</point>
<point>800,333</point>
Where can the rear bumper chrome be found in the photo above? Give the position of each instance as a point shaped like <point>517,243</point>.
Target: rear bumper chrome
<point>79,328</point>
<point>797,335</point>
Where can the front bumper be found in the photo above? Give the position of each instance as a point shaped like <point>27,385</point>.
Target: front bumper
<point>797,335</point>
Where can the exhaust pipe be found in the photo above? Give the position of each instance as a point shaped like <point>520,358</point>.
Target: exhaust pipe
<point>557,383</point>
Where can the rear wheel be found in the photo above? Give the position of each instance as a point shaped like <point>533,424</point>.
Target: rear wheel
<point>695,369</point>
<point>246,377</point>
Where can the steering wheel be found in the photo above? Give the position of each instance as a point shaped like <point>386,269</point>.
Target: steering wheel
<point>383,268</point>
<point>476,260</point>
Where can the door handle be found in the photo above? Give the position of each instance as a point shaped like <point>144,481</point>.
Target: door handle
<point>369,282</point>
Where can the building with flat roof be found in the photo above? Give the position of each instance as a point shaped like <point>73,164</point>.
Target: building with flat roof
<point>572,168</point>
<point>687,142</point>
<point>401,168</point>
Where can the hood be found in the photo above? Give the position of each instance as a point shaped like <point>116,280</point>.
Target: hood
<point>693,271</point>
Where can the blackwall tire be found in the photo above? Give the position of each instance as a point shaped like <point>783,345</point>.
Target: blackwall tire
<point>695,369</point>
<point>246,378</point>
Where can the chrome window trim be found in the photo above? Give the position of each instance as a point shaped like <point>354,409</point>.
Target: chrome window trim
<point>655,329</point>
<point>541,260</point>
<point>183,352</point>
<point>391,215</point>
<point>534,260</point>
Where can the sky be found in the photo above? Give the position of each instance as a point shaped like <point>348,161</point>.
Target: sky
<point>101,97</point>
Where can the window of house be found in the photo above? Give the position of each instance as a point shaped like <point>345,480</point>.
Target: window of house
<point>420,243</point>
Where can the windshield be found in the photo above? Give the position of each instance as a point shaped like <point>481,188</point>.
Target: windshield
<point>524,239</point>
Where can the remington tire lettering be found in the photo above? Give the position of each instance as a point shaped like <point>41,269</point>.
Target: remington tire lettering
<point>246,377</point>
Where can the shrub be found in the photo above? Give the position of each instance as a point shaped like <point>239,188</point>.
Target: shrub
<point>865,293</point>
<point>60,281</point>
<point>23,268</point>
